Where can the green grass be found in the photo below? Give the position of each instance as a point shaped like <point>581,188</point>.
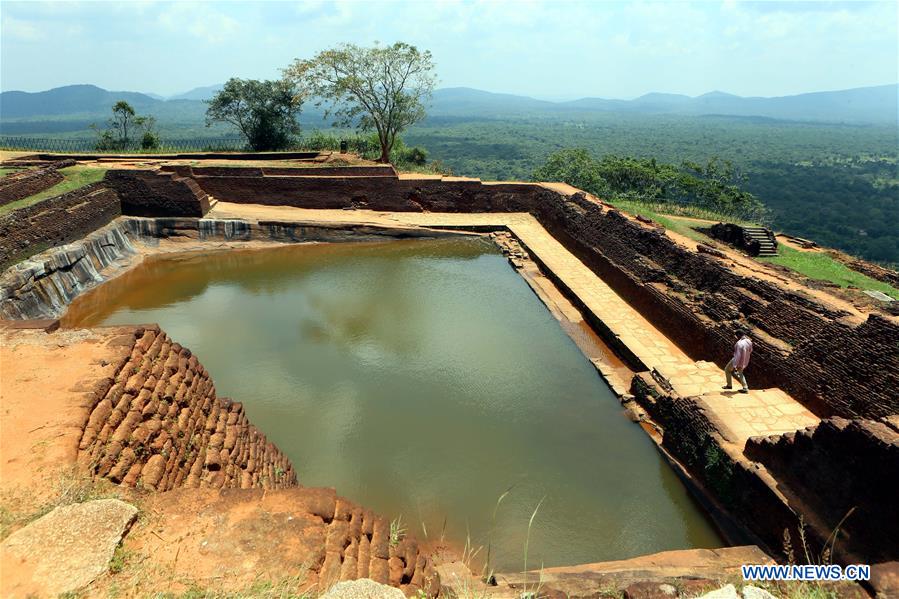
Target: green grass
<point>76,177</point>
<point>820,266</point>
<point>678,225</point>
<point>8,171</point>
<point>814,265</point>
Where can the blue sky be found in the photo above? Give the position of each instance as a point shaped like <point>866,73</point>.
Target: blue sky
<point>550,49</point>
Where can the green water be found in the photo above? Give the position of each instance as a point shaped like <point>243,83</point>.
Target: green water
<point>422,379</point>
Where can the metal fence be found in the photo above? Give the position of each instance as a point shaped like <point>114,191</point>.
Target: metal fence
<point>210,144</point>
<point>358,145</point>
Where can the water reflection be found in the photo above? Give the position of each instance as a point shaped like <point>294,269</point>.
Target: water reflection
<point>422,378</point>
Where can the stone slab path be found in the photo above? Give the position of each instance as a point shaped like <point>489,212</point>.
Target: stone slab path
<point>761,412</point>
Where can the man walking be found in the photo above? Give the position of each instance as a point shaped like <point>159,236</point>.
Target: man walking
<point>737,364</point>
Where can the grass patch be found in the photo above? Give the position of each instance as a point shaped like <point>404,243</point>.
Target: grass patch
<point>282,589</point>
<point>8,171</point>
<point>76,177</point>
<point>689,217</point>
<point>814,265</point>
<point>820,266</point>
<point>71,486</point>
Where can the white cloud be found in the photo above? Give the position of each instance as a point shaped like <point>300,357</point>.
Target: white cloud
<point>21,30</point>
<point>200,20</point>
<point>545,47</point>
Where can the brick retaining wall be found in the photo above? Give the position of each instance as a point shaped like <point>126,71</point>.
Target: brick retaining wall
<point>839,465</point>
<point>186,170</point>
<point>55,221</point>
<point>153,193</point>
<point>159,423</point>
<point>27,183</point>
<point>833,366</point>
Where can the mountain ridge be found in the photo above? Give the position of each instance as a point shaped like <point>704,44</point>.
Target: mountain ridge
<point>873,104</point>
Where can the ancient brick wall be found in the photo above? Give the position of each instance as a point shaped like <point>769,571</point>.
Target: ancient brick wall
<point>159,424</point>
<point>839,465</point>
<point>378,193</point>
<point>832,365</point>
<point>187,170</point>
<point>55,221</point>
<point>27,183</point>
<point>872,270</point>
<point>152,193</point>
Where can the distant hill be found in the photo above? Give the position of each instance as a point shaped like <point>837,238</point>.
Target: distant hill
<point>199,93</point>
<point>862,105</point>
<point>68,100</point>
<point>465,101</point>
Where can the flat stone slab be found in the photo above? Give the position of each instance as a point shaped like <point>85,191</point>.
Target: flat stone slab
<point>65,549</point>
<point>879,295</point>
<point>364,588</point>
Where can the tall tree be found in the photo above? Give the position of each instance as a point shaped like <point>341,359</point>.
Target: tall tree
<point>381,88</point>
<point>264,111</point>
<point>116,136</point>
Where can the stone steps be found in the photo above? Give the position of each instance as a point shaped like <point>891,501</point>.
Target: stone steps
<point>764,237</point>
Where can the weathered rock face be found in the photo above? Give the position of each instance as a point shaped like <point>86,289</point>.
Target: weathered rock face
<point>43,287</point>
<point>159,424</point>
<point>64,550</point>
<point>837,466</point>
<point>55,221</point>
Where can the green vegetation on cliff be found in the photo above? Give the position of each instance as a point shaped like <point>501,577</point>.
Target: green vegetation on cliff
<point>714,186</point>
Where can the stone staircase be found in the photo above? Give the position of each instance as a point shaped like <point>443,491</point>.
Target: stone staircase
<point>764,237</point>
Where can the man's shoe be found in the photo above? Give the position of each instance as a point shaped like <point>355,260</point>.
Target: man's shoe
<point>727,387</point>
<point>744,390</point>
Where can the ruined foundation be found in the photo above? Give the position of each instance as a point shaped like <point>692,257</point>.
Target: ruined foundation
<point>839,364</point>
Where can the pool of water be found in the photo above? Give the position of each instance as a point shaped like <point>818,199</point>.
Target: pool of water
<point>423,379</point>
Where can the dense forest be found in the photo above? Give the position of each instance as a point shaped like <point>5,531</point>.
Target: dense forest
<point>835,183</point>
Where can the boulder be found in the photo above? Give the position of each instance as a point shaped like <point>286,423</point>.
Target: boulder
<point>751,592</point>
<point>65,549</point>
<point>650,590</point>
<point>364,588</point>
<point>725,592</point>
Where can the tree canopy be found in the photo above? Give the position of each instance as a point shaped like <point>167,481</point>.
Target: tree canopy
<point>381,88</point>
<point>715,185</point>
<point>263,111</point>
<point>121,126</point>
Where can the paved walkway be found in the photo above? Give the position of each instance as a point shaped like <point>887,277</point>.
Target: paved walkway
<point>761,412</point>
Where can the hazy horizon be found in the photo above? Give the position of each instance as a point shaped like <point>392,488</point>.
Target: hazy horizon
<point>548,50</point>
<point>555,99</point>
